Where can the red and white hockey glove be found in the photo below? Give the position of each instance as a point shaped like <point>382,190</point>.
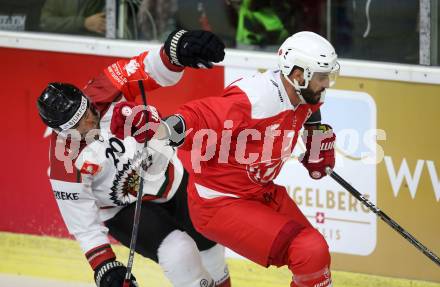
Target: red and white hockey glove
<point>129,119</point>
<point>320,153</point>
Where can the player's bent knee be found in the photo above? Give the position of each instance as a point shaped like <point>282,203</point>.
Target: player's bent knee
<point>309,259</point>
<point>279,251</point>
<point>180,260</point>
<point>308,251</point>
<point>214,261</point>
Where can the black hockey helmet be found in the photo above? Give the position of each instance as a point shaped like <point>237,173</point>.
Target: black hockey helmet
<point>62,105</point>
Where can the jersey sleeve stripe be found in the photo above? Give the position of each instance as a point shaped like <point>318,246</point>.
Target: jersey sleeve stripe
<point>98,255</point>
<point>156,69</point>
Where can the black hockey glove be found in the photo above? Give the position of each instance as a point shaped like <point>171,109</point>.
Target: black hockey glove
<point>112,274</point>
<point>196,49</point>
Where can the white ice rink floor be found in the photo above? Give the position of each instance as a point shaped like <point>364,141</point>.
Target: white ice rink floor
<point>26,281</point>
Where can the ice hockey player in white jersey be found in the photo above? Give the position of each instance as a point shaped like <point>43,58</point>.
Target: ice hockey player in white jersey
<point>94,173</point>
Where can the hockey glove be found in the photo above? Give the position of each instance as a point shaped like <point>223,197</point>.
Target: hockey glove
<point>196,49</point>
<point>129,119</point>
<point>320,152</point>
<point>112,274</point>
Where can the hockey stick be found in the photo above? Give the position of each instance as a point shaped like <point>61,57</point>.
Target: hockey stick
<point>137,210</point>
<point>383,216</point>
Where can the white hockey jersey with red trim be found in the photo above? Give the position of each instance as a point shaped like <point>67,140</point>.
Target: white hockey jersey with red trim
<point>102,177</point>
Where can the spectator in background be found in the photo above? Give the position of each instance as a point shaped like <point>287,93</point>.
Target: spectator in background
<point>384,30</point>
<point>23,15</point>
<point>259,26</point>
<point>83,17</point>
<point>308,16</point>
<point>217,16</point>
<point>263,25</point>
<point>156,19</point>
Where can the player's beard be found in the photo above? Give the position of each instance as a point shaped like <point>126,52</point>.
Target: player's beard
<point>310,96</point>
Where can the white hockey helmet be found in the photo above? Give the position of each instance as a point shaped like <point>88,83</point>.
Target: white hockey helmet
<point>312,53</point>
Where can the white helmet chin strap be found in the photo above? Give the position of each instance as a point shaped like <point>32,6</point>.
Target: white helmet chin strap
<point>297,88</point>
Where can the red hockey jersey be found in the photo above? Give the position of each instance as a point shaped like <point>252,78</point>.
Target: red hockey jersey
<point>239,141</point>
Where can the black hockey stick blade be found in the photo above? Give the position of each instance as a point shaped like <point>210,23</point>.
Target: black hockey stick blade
<point>383,216</point>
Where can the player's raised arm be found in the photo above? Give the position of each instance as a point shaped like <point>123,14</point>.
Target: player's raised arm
<point>164,67</point>
<point>155,68</point>
<point>195,49</point>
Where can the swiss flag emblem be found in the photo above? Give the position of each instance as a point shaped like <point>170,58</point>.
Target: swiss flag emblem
<point>320,217</point>
<point>90,168</point>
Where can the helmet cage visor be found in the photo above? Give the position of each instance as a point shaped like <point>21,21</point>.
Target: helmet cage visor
<point>326,79</point>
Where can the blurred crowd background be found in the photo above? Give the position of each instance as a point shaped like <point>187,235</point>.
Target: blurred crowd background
<point>374,30</point>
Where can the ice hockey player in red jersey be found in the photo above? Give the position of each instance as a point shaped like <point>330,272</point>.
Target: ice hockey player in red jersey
<point>238,144</point>
<point>94,173</point>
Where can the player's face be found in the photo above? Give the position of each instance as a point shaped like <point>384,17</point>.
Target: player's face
<point>89,121</point>
<point>317,85</point>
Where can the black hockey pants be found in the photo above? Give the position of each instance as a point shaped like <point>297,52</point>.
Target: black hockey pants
<point>156,222</point>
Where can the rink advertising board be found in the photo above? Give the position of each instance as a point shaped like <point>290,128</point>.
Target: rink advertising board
<point>407,177</point>
<point>333,211</point>
<point>387,147</point>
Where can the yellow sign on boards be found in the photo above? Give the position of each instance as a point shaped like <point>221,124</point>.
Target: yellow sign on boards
<point>408,187</point>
